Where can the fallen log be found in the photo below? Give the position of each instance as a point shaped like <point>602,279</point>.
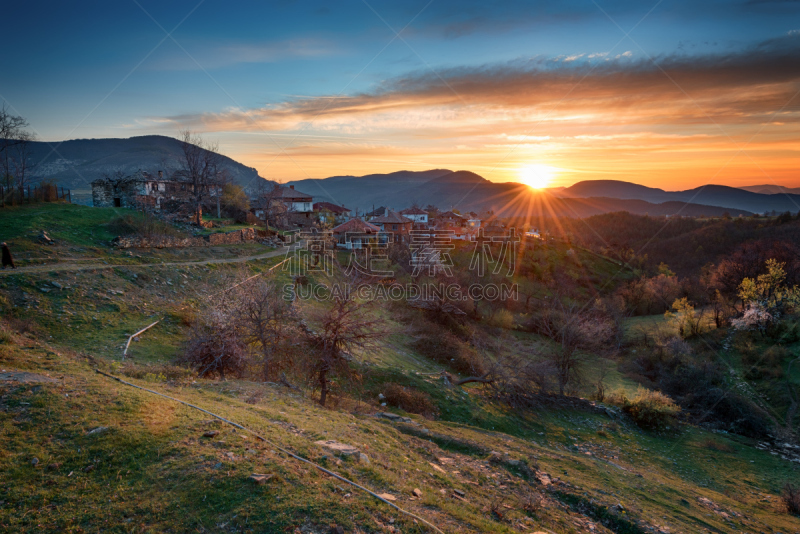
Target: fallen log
<point>128,344</point>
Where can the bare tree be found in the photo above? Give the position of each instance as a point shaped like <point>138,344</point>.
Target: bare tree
<point>19,160</point>
<point>13,133</point>
<point>265,318</point>
<point>576,331</point>
<point>345,326</point>
<point>200,165</point>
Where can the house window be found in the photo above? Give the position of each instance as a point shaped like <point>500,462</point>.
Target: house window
<point>117,202</point>
<point>394,227</point>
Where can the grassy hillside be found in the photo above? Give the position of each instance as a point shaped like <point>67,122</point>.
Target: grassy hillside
<point>109,457</point>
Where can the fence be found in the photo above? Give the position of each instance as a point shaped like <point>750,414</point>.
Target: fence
<point>40,193</point>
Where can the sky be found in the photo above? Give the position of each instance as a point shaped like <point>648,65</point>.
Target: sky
<point>670,94</point>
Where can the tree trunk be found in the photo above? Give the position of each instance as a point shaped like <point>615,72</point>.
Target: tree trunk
<point>198,216</point>
<point>323,386</point>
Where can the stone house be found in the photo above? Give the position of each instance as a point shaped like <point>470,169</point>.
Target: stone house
<point>144,190</point>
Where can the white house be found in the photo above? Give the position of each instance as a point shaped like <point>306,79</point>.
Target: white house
<point>415,214</point>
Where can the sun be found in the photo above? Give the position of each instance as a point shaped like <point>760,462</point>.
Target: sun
<point>537,176</point>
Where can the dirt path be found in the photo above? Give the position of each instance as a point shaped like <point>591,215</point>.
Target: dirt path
<point>70,266</point>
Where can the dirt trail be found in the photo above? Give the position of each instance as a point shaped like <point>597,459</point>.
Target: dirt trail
<point>71,266</point>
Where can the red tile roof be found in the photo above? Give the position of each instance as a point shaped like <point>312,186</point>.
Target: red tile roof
<point>413,211</point>
<point>290,193</point>
<point>391,218</point>
<point>356,225</point>
<point>333,208</point>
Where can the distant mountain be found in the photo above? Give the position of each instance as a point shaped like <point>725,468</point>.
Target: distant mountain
<point>76,163</point>
<point>467,191</point>
<point>708,195</point>
<point>771,189</point>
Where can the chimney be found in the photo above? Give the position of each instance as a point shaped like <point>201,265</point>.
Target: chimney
<point>160,174</point>
<point>291,187</point>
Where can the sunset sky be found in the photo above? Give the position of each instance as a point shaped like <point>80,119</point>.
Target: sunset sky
<point>670,94</point>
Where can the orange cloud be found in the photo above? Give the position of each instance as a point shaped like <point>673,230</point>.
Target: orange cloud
<point>674,122</point>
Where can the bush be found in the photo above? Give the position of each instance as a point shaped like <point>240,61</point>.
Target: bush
<point>446,349</point>
<point>409,399</point>
<point>215,351</point>
<point>139,224</point>
<point>502,319</point>
<point>5,338</point>
<point>791,499</point>
<point>184,316</point>
<point>767,364</point>
<point>649,409</point>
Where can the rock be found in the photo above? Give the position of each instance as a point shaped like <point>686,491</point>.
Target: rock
<point>417,493</point>
<point>53,467</point>
<point>56,285</point>
<point>336,529</point>
<point>35,462</point>
<point>336,447</point>
<point>98,430</point>
<point>387,496</point>
<point>89,468</point>
<point>363,458</point>
<point>394,417</point>
<point>459,493</point>
<point>543,478</point>
<point>261,479</point>
<point>210,433</point>
<point>381,396</point>
<point>437,467</point>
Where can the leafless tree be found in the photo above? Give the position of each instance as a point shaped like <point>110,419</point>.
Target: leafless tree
<point>13,132</point>
<point>344,326</point>
<point>200,166</point>
<point>269,201</point>
<point>18,158</point>
<point>576,330</point>
<point>266,321</point>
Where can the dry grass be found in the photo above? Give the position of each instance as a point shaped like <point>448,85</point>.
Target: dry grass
<point>409,399</point>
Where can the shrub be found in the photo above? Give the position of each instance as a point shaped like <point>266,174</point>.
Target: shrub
<point>767,364</point>
<point>5,338</point>
<point>409,399</point>
<point>502,319</point>
<point>144,225</point>
<point>445,348</point>
<point>791,498</point>
<point>649,409</point>
<point>184,316</point>
<point>215,351</point>
<point>715,445</point>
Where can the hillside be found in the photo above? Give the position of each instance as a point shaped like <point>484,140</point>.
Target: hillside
<point>76,163</point>
<point>85,453</point>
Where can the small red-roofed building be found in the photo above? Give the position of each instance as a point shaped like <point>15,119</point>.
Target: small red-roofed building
<point>356,234</point>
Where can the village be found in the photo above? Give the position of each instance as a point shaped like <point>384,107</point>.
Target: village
<point>281,210</point>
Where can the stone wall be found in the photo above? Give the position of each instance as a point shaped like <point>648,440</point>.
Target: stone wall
<point>245,235</point>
